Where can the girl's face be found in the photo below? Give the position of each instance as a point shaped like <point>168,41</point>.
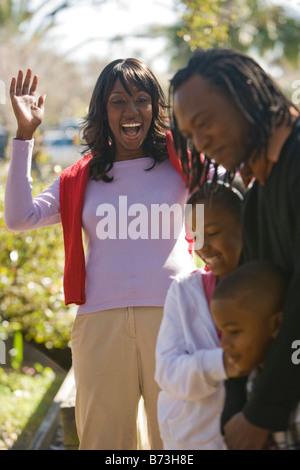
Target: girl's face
<point>129,118</point>
<point>222,239</point>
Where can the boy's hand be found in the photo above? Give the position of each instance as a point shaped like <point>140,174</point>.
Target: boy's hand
<point>240,434</point>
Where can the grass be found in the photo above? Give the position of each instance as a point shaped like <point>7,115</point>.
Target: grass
<point>25,397</point>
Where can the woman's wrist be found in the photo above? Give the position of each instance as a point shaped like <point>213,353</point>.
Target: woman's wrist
<point>24,134</point>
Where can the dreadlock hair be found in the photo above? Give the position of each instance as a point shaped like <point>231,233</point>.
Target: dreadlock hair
<point>255,94</point>
<point>96,131</point>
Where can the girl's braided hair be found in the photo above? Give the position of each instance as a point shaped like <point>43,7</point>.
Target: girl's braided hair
<point>255,94</point>
<point>229,196</point>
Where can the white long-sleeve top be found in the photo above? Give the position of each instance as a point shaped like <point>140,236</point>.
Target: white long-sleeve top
<point>189,369</point>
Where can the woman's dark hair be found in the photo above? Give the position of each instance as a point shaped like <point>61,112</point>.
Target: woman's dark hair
<point>243,81</point>
<point>96,132</point>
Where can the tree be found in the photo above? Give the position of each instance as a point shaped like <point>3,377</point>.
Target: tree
<point>31,273</point>
<point>243,25</point>
<point>205,23</point>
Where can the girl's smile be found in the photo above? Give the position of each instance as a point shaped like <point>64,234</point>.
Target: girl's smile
<point>212,261</point>
<point>222,239</point>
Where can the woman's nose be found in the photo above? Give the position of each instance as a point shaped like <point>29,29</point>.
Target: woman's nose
<point>131,107</point>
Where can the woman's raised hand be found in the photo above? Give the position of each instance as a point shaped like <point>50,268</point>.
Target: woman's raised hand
<point>28,111</point>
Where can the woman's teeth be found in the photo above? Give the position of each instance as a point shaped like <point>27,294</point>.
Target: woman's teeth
<point>131,128</point>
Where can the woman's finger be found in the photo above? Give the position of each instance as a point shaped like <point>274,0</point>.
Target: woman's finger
<point>41,102</point>
<point>12,89</point>
<point>19,83</point>
<point>26,82</point>
<point>34,85</point>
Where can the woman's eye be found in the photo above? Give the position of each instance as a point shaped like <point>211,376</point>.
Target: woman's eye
<point>143,99</point>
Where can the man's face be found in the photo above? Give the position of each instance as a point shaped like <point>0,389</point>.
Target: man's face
<point>212,121</point>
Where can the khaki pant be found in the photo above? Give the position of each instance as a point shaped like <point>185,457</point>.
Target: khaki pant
<point>114,363</point>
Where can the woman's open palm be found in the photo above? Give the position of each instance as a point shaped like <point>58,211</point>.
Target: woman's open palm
<point>28,111</point>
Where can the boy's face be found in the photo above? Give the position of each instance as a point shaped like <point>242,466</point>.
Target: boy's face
<point>245,335</point>
<point>212,121</point>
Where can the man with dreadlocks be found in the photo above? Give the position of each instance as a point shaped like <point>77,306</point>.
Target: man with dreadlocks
<point>231,111</point>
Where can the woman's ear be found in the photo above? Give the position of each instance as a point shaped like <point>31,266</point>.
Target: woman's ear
<point>276,320</point>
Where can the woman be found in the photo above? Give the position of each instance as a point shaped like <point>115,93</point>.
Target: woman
<point>120,284</point>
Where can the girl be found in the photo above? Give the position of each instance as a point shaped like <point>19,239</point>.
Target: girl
<point>190,366</point>
<point>121,282</point>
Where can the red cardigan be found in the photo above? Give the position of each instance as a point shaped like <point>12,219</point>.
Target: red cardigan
<point>73,181</point>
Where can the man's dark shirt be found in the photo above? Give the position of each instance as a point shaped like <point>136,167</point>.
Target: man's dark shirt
<point>271,232</point>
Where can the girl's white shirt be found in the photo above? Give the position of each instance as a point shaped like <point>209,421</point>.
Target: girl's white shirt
<point>189,369</point>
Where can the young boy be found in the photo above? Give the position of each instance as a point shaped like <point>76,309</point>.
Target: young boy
<point>247,308</point>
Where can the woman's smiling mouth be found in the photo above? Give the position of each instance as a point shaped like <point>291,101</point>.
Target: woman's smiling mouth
<point>131,129</point>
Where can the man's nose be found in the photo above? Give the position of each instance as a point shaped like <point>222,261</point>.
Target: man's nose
<point>200,141</point>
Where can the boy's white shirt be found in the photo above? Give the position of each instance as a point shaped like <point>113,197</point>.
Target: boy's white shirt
<point>189,369</point>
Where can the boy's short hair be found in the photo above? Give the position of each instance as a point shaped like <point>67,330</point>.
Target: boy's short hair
<point>257,285</point>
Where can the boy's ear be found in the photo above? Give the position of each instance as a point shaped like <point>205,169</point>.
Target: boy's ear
<point>276,323</point>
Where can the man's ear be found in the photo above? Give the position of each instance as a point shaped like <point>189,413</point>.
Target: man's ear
<point>276,320</point>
